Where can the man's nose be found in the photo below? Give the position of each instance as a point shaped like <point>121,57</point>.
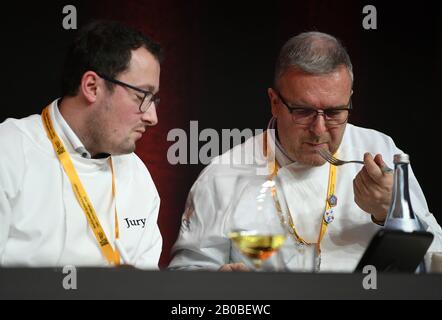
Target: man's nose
<point>318,126</point>
<point>150,116</point>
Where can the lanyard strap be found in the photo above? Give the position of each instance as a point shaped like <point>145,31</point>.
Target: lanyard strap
<point>329,203</point>
<point>112,256</point>
<point>114,195</point>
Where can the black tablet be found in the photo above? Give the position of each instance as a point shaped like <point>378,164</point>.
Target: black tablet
<point>396,251</point>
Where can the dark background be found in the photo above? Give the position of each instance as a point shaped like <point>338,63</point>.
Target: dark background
<point>219,63</point>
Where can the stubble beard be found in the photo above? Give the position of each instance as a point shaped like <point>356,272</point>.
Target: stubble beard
<point>105,139</point>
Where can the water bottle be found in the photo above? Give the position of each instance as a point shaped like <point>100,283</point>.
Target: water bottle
<point>401,215</point>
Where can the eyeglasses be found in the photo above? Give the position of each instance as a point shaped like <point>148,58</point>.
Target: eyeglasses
<point>145,100</point>
<point>306,116</point>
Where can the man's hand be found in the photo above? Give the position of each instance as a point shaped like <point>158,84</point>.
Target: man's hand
<point>373,187</point>
<point>234,267</point>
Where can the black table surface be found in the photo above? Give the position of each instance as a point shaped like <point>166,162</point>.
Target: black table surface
<point>125,283</point>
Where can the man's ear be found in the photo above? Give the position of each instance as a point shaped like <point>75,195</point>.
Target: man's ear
<point>273,98</point>
<point>89,86</point>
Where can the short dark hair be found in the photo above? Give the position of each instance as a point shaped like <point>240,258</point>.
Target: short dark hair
<point>104,47</point>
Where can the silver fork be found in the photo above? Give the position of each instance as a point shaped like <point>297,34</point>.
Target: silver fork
<point>327,156</point>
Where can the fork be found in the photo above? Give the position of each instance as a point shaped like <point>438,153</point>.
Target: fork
<point>326,155</point>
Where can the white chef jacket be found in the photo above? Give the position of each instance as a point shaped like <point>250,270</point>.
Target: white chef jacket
<point>203,241</point>
<point>41,221</point>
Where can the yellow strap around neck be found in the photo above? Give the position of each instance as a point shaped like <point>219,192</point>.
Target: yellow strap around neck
<point>330,191</point>
<point>111,255</point>
<point>273,171</point>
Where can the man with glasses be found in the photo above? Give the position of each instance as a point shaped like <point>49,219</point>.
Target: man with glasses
<point>331,212</point>
<point>72,191</point>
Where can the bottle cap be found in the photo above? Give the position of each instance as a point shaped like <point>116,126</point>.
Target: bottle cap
<point>401,158</point>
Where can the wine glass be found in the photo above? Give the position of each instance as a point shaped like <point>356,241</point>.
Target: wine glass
<point>256,226</point>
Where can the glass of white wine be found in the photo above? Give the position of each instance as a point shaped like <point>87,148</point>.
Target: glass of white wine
<point>256,228</point>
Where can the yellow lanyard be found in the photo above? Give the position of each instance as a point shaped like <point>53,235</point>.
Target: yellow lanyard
<point>112,256</point>
<point>330,203</point>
